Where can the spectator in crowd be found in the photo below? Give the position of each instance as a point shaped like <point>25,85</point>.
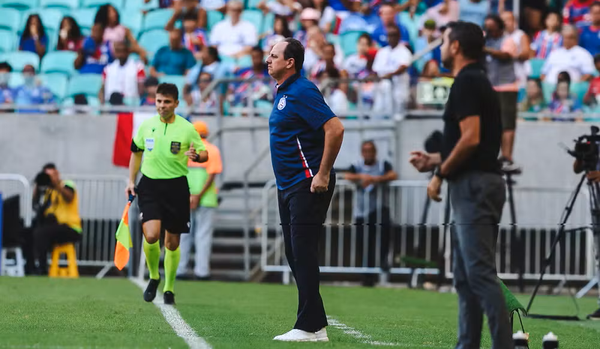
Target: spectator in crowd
<point>336,99</point>
<point>210,63</point>
<point>254,90</point>
<point>173,59</point>
<point>371,210</point>
<point>572,58</point>
<point>58,220</point>
<point>194,38</point>
<point>563,102</point>
<point>501,52</point>
<point>354,21</point>
<point>149,96</point>
<point>95,53</point>
<point>589,37</point>
<point>534,97</point>
<point>69,35</point>
<point>234,36</point>
<point>442,13</point>
<point>523,44</point>
<point>388,18</point>
<point>319,50</point>
<point>357,62</point>
<point>286,8</point>
<point>431,69</point>
<point>194,8</point>
<point>327,14</point>
<point>577,12</point>
<point>32,92</point>
<point>6,93</point>
<point>474,11</point>
<point>326,61</point>
<point>279,32</point>
<point>429,34</point>
<point>309,18</point>
<point>592,96</point>
<point>193,97</point>
<point>34,38</point>
<point>114,31</point>
<point>213,5</point>
<point>546,41</point>
<point>203,203</point>
<point>392,62</point>
<point>124,76</point>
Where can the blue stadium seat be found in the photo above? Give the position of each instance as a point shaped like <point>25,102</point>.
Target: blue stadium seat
<point>84,17</point>
<point>10,19</point>
<point>132,19</point>
<point>64,6</point>
<point>252,3</point>
<point>536,67</point>
<point>20,5</point>
<point>19,59</point>
<point>255,17</point>
<point>244,61</point>
<point>152,40</point>
<point>332,38</point>
<point>141,5</point>
<point>348,41</point>
<point>156,19</point>
<point>212,18</point>
<point>59,62</point>
<point>50,17</point>
<point>411,24</point>
<point>547,91</point>
<point>178,80</point>
<point>118,4</point>
<point>268,22</point>
<point>579,89</point>
<point>57,83</point>
<point>8,41</point>
<point>16,80</point>
<point>87,84</point>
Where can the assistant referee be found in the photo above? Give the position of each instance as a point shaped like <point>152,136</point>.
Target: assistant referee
<point>166,141</point>
<point>472,134</point>
<point>305,139</point>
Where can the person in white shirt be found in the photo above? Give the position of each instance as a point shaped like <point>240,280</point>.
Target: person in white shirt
<point>357,62</point>
<point>572,58</point>
<point>335,97</point>
<point>124,76</point>
<point>233,36</point>
<point>392,62</point>
<point>315,50</point>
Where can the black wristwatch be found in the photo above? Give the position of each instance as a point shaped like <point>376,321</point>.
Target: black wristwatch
<point>197,158</point>
<point>438,172</point>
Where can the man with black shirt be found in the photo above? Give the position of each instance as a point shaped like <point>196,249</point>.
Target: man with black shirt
<point>472,135</point>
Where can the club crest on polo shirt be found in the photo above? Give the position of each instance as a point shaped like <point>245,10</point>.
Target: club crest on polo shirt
<point>281,103</point>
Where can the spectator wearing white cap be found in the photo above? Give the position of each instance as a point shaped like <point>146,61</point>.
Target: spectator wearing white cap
<point>233,36</point>
<point>308,18</point>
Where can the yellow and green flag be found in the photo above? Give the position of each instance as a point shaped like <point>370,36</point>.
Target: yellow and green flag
<point>124,242</point>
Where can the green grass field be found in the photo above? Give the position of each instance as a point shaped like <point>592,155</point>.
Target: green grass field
<point>110,313</point>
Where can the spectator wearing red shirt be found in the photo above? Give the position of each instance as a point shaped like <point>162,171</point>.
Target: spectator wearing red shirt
<point>592,96</point>
<point>577,12</point>
<point>69,35</point>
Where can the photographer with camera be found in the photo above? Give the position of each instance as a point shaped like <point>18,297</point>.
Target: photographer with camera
<point>57,214</point>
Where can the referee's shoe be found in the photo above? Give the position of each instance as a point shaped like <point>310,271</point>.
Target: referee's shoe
<point>150,292</point>
<point>296,335</point>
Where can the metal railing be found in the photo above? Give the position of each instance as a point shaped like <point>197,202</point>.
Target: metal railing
<point>419,246</point>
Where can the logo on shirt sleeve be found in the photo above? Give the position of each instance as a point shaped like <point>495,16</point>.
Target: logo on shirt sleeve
<point>281,103</point>
<point>175,147</point>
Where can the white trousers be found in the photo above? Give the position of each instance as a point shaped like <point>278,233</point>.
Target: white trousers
<point>200,236</point>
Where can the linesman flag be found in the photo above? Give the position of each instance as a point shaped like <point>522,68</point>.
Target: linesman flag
<point>123,236</point>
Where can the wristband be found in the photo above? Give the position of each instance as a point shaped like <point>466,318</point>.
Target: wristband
<point>438,172</point>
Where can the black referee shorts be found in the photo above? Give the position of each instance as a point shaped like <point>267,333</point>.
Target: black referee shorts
<point>167,200</point>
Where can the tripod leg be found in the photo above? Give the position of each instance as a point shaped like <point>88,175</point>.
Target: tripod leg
<point>559,235</point>
<point>520,251</point>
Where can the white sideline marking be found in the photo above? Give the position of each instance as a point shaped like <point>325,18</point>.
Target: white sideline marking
<point>366,339</point>
<point>181,328</point>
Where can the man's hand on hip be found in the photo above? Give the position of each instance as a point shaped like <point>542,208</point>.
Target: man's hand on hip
<point>320,183</point>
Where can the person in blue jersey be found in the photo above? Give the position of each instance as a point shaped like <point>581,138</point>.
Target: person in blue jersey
<point>589,35</point>
<point>305,137</point>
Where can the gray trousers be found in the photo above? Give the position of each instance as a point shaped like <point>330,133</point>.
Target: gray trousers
<point>477,200</point>
<point>201,237</point>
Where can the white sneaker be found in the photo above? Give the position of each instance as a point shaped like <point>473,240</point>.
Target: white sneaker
<point>303,336</point>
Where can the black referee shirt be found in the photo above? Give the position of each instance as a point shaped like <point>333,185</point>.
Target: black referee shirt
<point>472,94</point>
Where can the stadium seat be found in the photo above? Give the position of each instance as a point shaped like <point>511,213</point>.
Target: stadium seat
<point>212,18</point>
<point>132,19</point>
<point>178,80</point>
<point>87,84</point>
<point>252,3</point>
<point>156,19</point>
<point>268,22</point>
<point>332,38</point>
<point>244,61</point>
<point>59,62</point>
<point>255,17</point>
<point>84,17</point>
<point>51,18</point>
<point>19,59</point>
<point>7,41</point>
<point>411,24</point>
<point>547,91</point>
<point>57,83</point>
<point>118,4</point>
<point>579,89</point>
<point>64,6</point>
<point>152,40</point>
<point>20,5</point>
<point>536,67</point>
<point>348,42</point>
<point>10,19</point>
<point>16,79</point>
<point>141,5</point>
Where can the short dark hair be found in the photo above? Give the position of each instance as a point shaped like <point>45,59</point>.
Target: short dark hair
<point>257,48</point>
<point>49,166</point>
<point>369,142</point>
<point>5,66</point>
<point>499,22</point>
<point>367,37</point>
<point>469,37</point>
<point>295,50</point>
<point>214,53</point>
<point>167,89</point>
<point>190,16</point>
<point>595,3</point>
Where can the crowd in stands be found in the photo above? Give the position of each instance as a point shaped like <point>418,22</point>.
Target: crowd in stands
<point>116,52</point>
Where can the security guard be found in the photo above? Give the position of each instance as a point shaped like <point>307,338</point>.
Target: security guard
<point>167,141</point>
<point>305,139</point>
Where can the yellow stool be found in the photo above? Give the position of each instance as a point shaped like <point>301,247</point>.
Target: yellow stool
<point>71,270</point>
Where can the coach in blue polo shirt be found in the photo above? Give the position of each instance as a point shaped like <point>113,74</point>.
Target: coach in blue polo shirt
<point>305,139</point>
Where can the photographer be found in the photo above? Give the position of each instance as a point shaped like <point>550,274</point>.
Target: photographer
<point>593,177</point>
<point>57,220</point>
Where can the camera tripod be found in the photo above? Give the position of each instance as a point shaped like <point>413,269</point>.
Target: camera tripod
<point>594,191</point>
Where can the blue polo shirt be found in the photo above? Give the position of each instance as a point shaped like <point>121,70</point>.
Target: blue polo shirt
<point>296,129</point>
<point>589,39</point>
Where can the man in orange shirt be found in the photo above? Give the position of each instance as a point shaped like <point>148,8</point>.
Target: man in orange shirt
<point>203,202</point>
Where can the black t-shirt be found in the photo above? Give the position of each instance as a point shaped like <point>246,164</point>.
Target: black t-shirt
<point>472,94</point>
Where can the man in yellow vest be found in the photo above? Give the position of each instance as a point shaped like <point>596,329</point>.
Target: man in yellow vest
<point>60,222</point>
<point>203,202</point>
